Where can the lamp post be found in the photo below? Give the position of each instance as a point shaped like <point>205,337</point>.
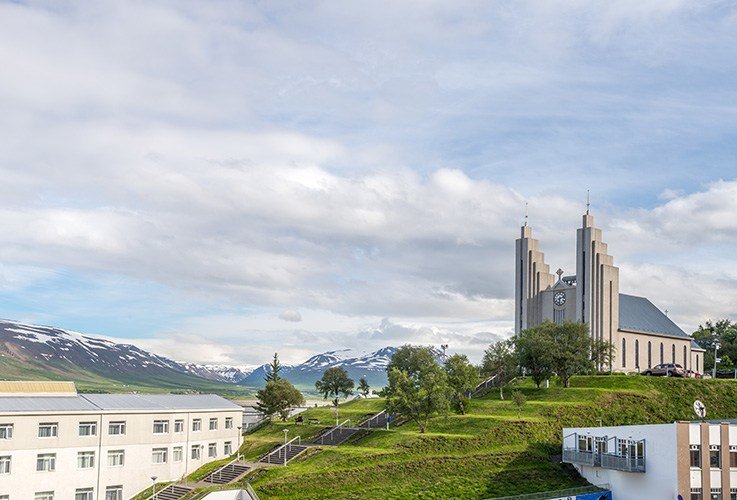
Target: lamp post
<point>716,360</point>
<point>286,431</point>
<point>240,439</point>
<point>153,487</point>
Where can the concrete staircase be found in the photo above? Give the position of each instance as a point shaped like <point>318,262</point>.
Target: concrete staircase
<point>286,450</point>
<point>335,436</point>
<point>227,474</point>
<point>377,421</point>
<point>172,492</point>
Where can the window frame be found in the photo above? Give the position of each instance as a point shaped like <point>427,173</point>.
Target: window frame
<point>117,424</point>
<point>54,426</point>
<point>46,458</point>
<point>213,425</point>
<point>114,455</point>
<point>161,452</point>
<point>117,490</point>
<point>8,460</point>
<point>8,432</point>
<point>164,424</point>
<point>89,493</point>
<point>85,456</point>
<point>196,422</point>
<point>178,426</point>
<point>91,425</point>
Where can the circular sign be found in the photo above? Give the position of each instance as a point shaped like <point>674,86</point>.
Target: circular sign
<point>699,408</point>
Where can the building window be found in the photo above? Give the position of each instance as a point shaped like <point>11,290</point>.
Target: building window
<point>624,353</point>
<point>48,430</point>
<point>158,455</point>
<point>5,465</point>
<point>559,316</point>
<point>115,458</point>
<point>177,454</point>
<point>116,428</point>
<point>715,457</point>
<point>732,493</point>
<point>585,443</point>
<point>673,353</point>
<point>228,448</point>
<point>196,452</point>
<point>685,358</point>
<point>649,354</point>
<point>4,497</point>
<point>697,364</point>
<point>114,493</point>
<point>212,450</point>
<point>662,360</point>
<point>716,494</point>
<point>43,495</point>
<point>213,424</point>
<point>696,494</point>
<point>228,422</point>
<point>178,426</point>
<point>695,452</point>
<point>46,462</point>
<point>161,426</point>
<point>83,494</point>
<point>733,457</point>
<point>637,354</point>
<point>197,424</point>
<point>6,431</point>
<point>85,459</point>
<point>88,429</point>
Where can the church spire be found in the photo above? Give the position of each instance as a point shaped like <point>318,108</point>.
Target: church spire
<point>588,201</point>
<point>526,213</point>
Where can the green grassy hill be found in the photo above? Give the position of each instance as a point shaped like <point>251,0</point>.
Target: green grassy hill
<point>488,452</point>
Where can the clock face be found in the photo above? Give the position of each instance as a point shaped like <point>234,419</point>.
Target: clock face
<point>559,298</point>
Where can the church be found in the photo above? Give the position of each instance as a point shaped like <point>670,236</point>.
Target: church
<point>642,335</point>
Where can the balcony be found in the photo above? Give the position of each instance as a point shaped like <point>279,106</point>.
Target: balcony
<point>580,457</point>
<point>607,452</point>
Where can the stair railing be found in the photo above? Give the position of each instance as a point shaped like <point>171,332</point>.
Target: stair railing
<point>285,447</point>
<point>367,423</point>
<point>484,385</point>
<point>330,432</point>
<point>220,470</point>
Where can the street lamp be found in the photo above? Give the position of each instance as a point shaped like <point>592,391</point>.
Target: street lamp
<point>153,487</point>
<point>716,360</point>
<point>240,439</point>
<point>286,431</point>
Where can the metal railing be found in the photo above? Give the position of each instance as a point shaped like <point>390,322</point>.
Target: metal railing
<point>286,447</point>
<point>219,472</point>
<point>570,492</point>
<point>579,457</point>
<point>251,492</point>
<point>484,385</point>
<point>625,464</point>
<point>367,423</point>
<point>321,439</point>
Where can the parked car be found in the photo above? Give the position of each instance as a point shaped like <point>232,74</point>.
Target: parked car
<point>667,370</point>
<point>692,374</point>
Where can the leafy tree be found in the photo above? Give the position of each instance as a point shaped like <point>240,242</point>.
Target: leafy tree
<point>722,331</point>
<point>272,372</point>
<point>462,379</point>
<point>418,387</point>
<point>602,354</point>
<point>278,398</point>
<point>334,382</point>
<point>519,400</point>
<point>570,345</point>
<point>500,360</point>
<point>534,352</point>
<point>363,387</point>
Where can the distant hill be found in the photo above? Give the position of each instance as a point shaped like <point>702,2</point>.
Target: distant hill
<point>44,352</point>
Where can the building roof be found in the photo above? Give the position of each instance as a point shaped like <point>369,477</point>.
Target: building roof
<point>116,402</point>
<point>27,388</point>
<point>640,315</point>
<point>696,347</point>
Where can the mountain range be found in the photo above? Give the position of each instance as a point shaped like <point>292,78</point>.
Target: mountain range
<point>32,351</point>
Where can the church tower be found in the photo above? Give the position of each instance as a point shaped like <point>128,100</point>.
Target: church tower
<point>532,275</point>
<point>597,287</point>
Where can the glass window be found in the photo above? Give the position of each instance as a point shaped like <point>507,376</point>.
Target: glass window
<point>685,358</point>
<point>6,431</point>
<point>733,456</point>
<point>715,457</point>
<point>43,495</point>
<point>228,422</point>
<point>46,462</point>
<point>48,430</point>
<point>87,428</point>
<point>197,424</point>
<point>114,493</point>
<point>732,493</point>
<point>5,465</point>
<point>212,450</point>
<point>228,448</point>
<point>695,452</point>
<point>85,459</point>
<point>661,353</point>
<point>179,426</point>
<point>116,458</point>
<point>213,424</point>
<point>196,452</point>
<point>624,353</point>
<point>696,494</point>
<point>585,443</point>
<point>673,352</point>
<point>716,494</point>
<point>649,354</point>
<point>116,428</point>
<point>158,455</point>
<point>83,494</point>
<point>161,426</point>
<point>4,497</point>
<point>177,454</point>
<point>637,353</point>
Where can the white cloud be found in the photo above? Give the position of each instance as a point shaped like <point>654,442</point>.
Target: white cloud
<point>291,315</point>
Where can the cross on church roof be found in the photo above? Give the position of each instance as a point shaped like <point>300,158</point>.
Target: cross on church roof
<point>559,272</point>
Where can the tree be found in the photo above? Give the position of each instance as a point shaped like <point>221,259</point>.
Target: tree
<point>722,331</point>
<point>570,349</point>
<point>500,361</point>
<point>602,354</point>
<point>363,387</point>
<point>519,400</point>
<point>278,397</point>
<point>272,372</point>
<point>462,379</point>
<point>533,352</point>
<point>418,387</point>
<point>334,382</point>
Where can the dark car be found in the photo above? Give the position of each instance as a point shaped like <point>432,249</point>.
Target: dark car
<point>666,370</point>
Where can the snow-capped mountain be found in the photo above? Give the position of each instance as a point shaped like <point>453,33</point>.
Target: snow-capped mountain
<point>221,373</point>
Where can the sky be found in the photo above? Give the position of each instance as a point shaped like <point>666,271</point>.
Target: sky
<point>216,181</point>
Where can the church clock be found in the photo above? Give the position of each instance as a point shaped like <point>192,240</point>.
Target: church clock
<point>559,299</point>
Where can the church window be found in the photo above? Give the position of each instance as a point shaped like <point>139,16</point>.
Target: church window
<point>649,354</point>
<point>673,352</point>
<point>624,353</point>
<point>697,363</point>
<point>637,353</point>
<point>685,358</point>
<point>559,316</point>
<point>661,354</point>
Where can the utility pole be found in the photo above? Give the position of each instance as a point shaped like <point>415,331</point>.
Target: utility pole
<point>716,360</point>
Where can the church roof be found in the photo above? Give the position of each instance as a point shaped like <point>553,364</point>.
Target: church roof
<point>640,315</point>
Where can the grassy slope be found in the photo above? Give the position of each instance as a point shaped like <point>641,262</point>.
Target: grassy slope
<point>488,452</point>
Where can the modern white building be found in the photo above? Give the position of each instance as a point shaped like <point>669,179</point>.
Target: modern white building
<point>680,460</point>
<point>56,444</point>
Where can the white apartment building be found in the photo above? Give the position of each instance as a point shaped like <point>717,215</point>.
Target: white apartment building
<point>680,460</point>
<point>56,444</point>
